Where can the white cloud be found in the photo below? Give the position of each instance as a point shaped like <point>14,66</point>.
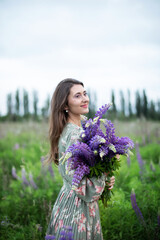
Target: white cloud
<point>106,44</point>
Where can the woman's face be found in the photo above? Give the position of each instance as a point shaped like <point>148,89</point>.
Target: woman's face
<point>78,100</point>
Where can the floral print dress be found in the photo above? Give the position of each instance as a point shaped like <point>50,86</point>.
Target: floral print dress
<point>76,208</point>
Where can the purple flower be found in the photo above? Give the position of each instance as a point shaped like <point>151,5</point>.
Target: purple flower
<point>47,237</point>
<point>14,174</point>
<point>32,181</point>
<point>83,152</point>
<point>103,110</point>
<point>16,146</point>
<point>79,173</point>
<point>50,169</point>
<point>136,208</point>
<point>95,152</point>
<point>42,159</point>
<point>66,233</point>
<point>24,179</point>
<point>139,158</point>
<point>96,141</point>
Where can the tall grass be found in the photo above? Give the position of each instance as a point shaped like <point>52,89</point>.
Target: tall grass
<point>28,190</point>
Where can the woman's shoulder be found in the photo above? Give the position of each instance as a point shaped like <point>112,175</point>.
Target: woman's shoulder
<point>70,129</point>
<point>70,134</point>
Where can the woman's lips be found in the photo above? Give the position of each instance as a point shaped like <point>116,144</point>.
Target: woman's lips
<point>85,106</point>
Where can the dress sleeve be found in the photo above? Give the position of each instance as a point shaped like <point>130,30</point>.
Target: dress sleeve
<point>89,189</point>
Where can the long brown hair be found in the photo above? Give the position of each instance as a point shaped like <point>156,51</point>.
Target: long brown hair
<point>58,115</point>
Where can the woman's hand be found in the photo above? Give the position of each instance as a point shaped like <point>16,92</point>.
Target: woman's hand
<point>112,181</point>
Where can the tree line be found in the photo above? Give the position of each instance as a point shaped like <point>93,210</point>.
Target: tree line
<point>24,107</point>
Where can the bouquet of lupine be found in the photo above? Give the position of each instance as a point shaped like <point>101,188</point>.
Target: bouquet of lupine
<point>96,151</point>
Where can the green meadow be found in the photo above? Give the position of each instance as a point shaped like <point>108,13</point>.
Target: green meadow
<point>28,190</point>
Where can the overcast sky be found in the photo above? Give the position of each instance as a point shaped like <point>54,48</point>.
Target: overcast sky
<point>107,44</point>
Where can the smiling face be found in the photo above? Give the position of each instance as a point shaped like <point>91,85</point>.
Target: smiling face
<point>78,101</point>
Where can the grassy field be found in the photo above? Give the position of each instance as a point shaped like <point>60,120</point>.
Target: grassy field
<point>28,190</point>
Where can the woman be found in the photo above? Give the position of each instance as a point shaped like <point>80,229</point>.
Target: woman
<point>76,208</point>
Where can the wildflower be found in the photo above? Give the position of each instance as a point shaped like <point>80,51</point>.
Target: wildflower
<point>139,158</point>
<point>66,233</point>
<point>47,237</point>
<point>103,110</point>
<point>95,152</point>
<point>42,159</point>
<point>16,146</point>
<point>32,181</point>
<point>24,179</point>
<point>14,174</point>
<point>136,208</point>
<point>112,147</point>
<point>50,169</point>
<point>83,135</point>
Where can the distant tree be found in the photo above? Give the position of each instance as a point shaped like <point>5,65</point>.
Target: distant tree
<point>92,103</point>
<point>17,103</point>
<point>9,105</point>
<point>35,104</point>
<point>114,109</point>
<point>45,109</point>
<point>138,105</point>
<point>130,113</point>
<point>122,104</point>
<point>112,112</point>
<point>152,111</point>
<point>145,105</point>
<point>158,110</point>
<point>25,104</point>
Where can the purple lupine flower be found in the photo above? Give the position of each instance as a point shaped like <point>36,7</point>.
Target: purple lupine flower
<point>136,208</point>
<point>50,169</point>
<point>103,110</point>
<point>47,237</point>
<point>139,158</point>
<point>110,130</point>
<point>82,151</point>
<point>24,179</point>
<point>103,151</point>
<point>42,159</point>
<point>16,146</point>
<point>14,174</point>
<point>96,148</point>
<point>66,233</point>
<point>96,141</point>
<point>79,173</point>
<point>33,184</point>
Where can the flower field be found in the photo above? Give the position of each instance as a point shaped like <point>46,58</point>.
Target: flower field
<point>28,190</point>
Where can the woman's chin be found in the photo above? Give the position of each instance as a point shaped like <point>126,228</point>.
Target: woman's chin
<point>85,111</point>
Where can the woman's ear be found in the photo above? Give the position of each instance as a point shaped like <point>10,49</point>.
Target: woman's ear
<point>66,109</point>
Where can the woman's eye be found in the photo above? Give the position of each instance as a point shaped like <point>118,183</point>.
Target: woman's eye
<point>85,94</point>
<point>77,96</point>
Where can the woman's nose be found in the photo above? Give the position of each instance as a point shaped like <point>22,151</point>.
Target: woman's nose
<point>85,99</point>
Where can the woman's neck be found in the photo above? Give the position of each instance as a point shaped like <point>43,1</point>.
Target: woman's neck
<point>76,121</point>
